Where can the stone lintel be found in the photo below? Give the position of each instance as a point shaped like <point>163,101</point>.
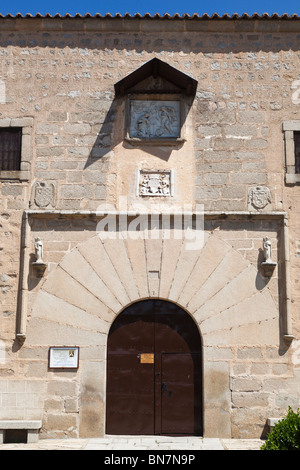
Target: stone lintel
<point>208,214</point>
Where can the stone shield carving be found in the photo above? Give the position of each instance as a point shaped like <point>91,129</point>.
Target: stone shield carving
<point>259,197</point>
<point>154,183</point>
<point>44,194</point>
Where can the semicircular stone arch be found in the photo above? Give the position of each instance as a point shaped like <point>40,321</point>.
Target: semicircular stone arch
<point>95,281</point>
<point>81,297</point>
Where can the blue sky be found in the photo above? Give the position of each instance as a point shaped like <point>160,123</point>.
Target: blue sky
<point>149,6</point>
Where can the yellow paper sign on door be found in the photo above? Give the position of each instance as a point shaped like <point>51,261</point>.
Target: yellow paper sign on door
<point>147,358</point>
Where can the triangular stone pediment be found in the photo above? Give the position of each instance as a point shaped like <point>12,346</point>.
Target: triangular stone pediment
<point>156,76</point>
<point>154,85</point>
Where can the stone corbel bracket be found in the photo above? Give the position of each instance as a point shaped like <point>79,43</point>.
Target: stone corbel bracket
<point>39,268</point>
<point>267,268</point>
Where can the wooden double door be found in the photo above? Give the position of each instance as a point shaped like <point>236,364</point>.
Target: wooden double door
<point>154,372</point>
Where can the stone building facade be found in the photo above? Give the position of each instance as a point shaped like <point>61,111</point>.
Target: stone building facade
<point>158,161</point>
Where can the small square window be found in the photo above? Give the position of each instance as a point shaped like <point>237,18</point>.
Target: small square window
<point>10,149</point>
<point>15,148</point>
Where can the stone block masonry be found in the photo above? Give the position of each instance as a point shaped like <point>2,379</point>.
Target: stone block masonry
<point>59,77</point>
<point>232,111</point>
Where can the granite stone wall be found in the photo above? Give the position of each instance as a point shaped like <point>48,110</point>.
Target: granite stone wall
<point>57,81</point>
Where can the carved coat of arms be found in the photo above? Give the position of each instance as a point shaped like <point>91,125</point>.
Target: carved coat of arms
<point>259,197</point>
<point>44,194</point>
<point>154,184</point>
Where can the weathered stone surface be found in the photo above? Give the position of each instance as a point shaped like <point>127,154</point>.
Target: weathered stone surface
<point>94,252</point>
<point>59,87</point>
<point>84,274</point>
<point>92,400</point>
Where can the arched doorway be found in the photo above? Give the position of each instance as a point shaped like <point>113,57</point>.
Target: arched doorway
<point>154,371</point>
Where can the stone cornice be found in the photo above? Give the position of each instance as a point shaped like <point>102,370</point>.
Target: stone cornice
<point>146,23</point>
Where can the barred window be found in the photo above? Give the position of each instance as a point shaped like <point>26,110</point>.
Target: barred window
<point>10,149</point>
<point>297,151</point>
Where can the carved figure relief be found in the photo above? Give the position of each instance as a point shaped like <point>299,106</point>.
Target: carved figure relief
<point>154,183</point>
<point>39,265</point>
<point>154,119</point>
<point>267,249</point>
<point>259,197</point>
<point>267,266</point>
<point>38,247</point>
<point>44,194</point>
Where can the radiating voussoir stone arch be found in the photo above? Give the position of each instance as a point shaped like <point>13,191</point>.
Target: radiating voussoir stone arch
<point>96,280</point>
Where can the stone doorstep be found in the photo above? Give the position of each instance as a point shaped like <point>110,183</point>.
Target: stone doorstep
<point>32,427</point>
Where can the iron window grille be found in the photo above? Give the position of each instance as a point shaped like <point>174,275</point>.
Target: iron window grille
<point>10,149</point>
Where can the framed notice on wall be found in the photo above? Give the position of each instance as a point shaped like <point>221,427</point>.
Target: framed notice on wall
<point>63,357</point>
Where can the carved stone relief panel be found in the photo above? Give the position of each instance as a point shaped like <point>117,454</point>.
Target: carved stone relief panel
<point>154,183</point>
<point>43,195</point>
<point>154,119</point>
<point>258,197</point>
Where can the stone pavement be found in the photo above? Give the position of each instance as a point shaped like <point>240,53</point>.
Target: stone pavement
<point>128,443</point>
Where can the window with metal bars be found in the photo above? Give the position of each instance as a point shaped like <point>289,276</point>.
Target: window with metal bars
<point>10,149</point>
<point>297,151</point>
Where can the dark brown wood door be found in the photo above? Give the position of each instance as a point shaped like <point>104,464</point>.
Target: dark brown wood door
<point>180,408</point>
<point>154,368</point>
